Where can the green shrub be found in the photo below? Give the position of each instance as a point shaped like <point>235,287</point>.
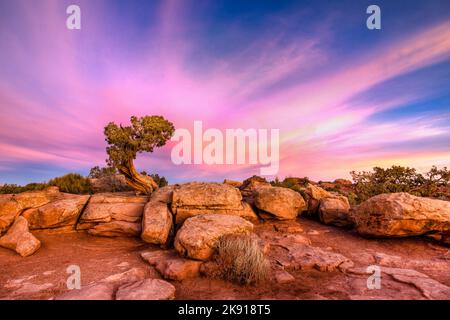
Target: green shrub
<point>14,188</point>
<point>97,172</point>
<point>159,180</point>
<point>434,183</point>
<point>72,183</point>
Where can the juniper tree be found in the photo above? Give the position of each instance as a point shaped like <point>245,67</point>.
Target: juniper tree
<point>124,143</point>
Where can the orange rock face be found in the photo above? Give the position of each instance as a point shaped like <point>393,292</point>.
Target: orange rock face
<point>19,238</point>
<point>197,237</point>
<point>281,203</point>
<point>402,215</point>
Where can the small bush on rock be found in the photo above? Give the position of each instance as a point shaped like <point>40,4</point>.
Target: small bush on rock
<point>72,183</point>
<point>240,259</point>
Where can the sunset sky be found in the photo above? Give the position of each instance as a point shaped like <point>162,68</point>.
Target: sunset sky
<point>344,97</point>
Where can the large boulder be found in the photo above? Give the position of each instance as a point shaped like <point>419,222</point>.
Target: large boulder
<point>148,289</point>
<point>20,239</point>
<point>402,215</point>
<point>198,236</point>
<point>157,221</point>
<point>110,215</point>
<point>335,211</point>
<point>12,205</point>
<point>61,214</point>
<point>281,203</point>
<point>200,198</point>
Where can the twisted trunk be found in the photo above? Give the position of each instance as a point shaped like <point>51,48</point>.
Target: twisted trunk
<point>139,182</point>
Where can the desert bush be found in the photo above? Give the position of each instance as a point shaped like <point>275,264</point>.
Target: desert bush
<point>161,181</point>
<point>14,188</point>
<point>240,259</point>
<point>434,183</point>
<point>97,172</point>
<point>72,183</point>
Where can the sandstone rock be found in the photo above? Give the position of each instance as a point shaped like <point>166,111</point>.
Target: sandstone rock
<point>11,206</point>
<point>63,212</point>
<point>171,266</point>
<point>131,275</point>
<point>429,288</point>
<point>282,203</point>
<point>197,237</point>
<point>312,195</point>
<point>195,198</point>
<point>301,255</point>
<point>250,185</point>
<point>402,215</point>
<point>232,183</point>
<point>19,238</point>
<point>163,194</point>
<point>110,215</point>
<point>288,227</point>
<point>283,277</point>
<point>96,291</point>
<point>157,223</point>
<point>116,229</point>
<point>335,211</point>
<point>148,289</point>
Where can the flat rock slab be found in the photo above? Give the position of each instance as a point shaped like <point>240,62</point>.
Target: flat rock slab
<point>97,291</point>
<point>198,236</point>
<point>148,289</point>
<point>429,288</point>
<point>301,255</point>
<point>171,266</point>
<point>112,215</point>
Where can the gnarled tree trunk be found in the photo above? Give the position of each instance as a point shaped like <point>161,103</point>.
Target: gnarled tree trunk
<point>139,182</point>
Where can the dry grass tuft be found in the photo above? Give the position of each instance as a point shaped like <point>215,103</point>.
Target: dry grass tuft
<point>241,259</point>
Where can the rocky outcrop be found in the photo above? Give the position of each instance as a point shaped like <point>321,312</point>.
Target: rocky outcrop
<point>157,221</point>
<point>148,289</point>
<point>198,236</point>
<point>232,183</point>
<point>61,214</point>
<point>12,205</point>
<point>281,203</point>
<point>196,198</point>
<point>250,185</point>
<point>19,238</point>
<point>111,214</point>
<point>402,215</point>
<point>312,195</point>
<point>335,210</point>
<point>171,266</point>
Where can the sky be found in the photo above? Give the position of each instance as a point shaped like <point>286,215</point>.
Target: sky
<point>343,97</point>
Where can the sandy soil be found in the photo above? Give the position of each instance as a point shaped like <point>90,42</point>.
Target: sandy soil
<point>43,275</point>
